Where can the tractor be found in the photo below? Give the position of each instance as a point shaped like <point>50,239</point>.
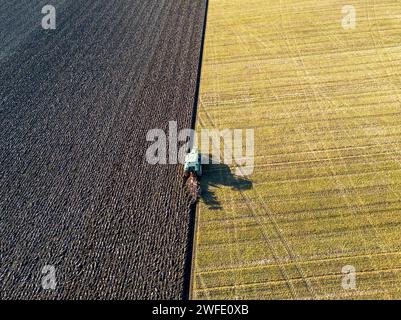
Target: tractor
<point>193,173</point>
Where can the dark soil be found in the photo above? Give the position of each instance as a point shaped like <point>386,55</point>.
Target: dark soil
<point>75,105</point>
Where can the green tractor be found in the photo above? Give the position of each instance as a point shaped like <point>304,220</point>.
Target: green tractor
<point>193,162</point>
<point>192,173</point>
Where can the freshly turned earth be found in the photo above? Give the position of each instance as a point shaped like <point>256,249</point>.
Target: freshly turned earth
<point>75,106</point>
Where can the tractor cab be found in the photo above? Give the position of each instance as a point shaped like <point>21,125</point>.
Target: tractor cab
<point>193,162</point>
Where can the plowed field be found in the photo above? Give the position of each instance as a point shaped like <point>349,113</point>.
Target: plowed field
<point>75,106</point>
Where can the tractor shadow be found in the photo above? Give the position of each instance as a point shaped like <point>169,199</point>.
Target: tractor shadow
<point>217,175</point>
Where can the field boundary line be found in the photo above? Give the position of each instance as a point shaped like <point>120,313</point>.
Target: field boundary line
<point>190,294</point>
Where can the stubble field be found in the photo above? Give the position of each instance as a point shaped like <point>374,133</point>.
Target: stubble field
<point>325,106</point>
